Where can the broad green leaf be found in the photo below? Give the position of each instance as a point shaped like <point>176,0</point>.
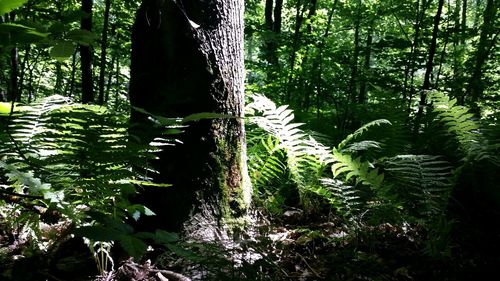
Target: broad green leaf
<point>62,51</point>
<point>162,236</point>
<point>133,245</point>
<point>81,36</point>
<point>6,6</point>
<point>19,33</point>
<point>5,108</point>
<point>205,115</point>
<point>147,183</point>
<point>99,233</point>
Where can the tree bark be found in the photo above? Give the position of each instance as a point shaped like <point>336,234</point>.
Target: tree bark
<point>362,97</point>
<point>299,17</point>
<point>430,63</point>
<point>13,89</point>
<point>475,87</point>
<point>86,56</point>
<point>104,47</point>
<point>272,17</point>
<point>187,57</point>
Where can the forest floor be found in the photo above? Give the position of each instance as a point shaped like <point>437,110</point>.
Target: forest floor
<point>295,246</point>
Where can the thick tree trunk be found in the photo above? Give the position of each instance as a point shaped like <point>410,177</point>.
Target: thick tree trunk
<point>86,56</point>
<point>104,47</point>
<point>187,57</point>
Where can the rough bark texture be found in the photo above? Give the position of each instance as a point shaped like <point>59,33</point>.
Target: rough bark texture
<point>187,57</point>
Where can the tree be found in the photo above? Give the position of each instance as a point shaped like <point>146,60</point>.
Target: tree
<point>475,87</point>
<point>104,46</point>
<point>187,57</point>
<point>86,55</point>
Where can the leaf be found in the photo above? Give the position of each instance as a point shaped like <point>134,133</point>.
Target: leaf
<point>6,6</point>
<point>98,233</point>
<point>133,245</point>
<point>206,115</point>
<point>5,108</point>
<point>62,51</point>
<point>162,236</point>
<point>81,36</point>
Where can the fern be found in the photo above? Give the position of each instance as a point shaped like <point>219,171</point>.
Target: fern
<point>362,171</point>
<point>345,198</point>
<point>421,183</point>
<point>305,157</point>
<point>287,149</point>
<point>74,158</point>
<point>458,121</point>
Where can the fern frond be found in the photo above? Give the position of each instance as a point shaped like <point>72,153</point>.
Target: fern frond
<point>457,119</point>
<point>344,197</point>
<point>361,131</point>
<point>73,154</point>
<point>422,183</point>
<point>304,155</point>
<point>362,171</point>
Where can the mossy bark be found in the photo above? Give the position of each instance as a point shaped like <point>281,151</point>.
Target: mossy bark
<point>187,57</point>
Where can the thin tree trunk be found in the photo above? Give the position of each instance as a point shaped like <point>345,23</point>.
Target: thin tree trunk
<point>362,98</point>
<point>475,86</point>
<point>104,46</point>
<point>86,56</point>
<point>354,58</point>
<point>306,87</point>
<point>22,76</point>
<point>410,74</point>
<point>318,64</point>
<point>13,89</point>
<point>59,79</point>
<point>299,16</point>
<point>430,62</point>
<point>110,78</point>
<point>117,84</point>
<point>72,79</point>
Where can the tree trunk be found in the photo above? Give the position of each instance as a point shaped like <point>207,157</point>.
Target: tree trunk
<point>430,63</point>
<point>187,57</point>
<point>59,79</point>
<point>362,97</point>
<point>318,63</point>
<point>272,17</point>
<point>475,87</point>
<point>299,17</point>
<point>86,56</point>
<point>13,89</point>
<point>104,46</point>
<point>71,82</point>
<point>353,82</point>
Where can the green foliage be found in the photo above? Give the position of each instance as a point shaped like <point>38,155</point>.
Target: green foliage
<point>421,184</point>
<point>7,6</point>
<point>286,150</point>
<point>457,119</point>
<point>77,159</point>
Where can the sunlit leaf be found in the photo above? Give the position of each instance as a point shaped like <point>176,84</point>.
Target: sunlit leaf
<point>6,6</point>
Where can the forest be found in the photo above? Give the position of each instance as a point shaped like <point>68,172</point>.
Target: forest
<point>249,140</point>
